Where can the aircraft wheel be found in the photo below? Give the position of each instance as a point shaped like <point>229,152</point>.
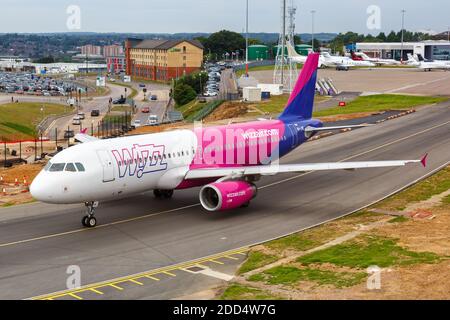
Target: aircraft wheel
<point>84,221</point>
<point>157,193</point>
<point>168,194</point>
<point>91,222</point>
<point>246,205</point>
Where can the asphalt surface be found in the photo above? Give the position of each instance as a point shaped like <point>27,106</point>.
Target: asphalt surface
<point>36,249</point>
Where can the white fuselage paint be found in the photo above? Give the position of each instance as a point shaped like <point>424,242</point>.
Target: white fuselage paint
<point>115,168</point>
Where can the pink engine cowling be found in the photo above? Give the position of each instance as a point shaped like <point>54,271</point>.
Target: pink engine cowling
<point>227,195</point>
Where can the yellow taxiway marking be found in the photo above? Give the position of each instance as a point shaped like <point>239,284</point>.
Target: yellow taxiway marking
<point>75,296</point>
<point>115,286</point>
<point>153,278</point>
<point>230,257</point>
<point>216,261</point>
<point>96,291</point>
<point>149,274</point>
<point>137,282</point>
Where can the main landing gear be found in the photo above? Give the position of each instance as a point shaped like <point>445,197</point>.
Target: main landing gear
<point>89,220</point>
<point>163,194</point>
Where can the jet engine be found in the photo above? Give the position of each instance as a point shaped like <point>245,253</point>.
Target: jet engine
<point>227,195</point>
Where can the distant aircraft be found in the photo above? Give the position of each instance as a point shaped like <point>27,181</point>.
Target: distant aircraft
<point>337,61</point>
<point>225,160</point>
<point>361,56</point>
<point>328,60</point>
<point>427,65</point>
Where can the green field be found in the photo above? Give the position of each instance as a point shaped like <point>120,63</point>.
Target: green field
<point>380,102</point>
<point>18,121</point>
<point>374,103</point>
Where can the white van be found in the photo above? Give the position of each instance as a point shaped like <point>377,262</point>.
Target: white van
<point>152,119</point>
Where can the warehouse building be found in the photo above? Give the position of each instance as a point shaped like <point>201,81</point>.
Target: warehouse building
<point>432,50</point>
<point>162,60</point>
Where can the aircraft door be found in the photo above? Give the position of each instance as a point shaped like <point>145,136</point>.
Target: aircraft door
<point>107,164</point>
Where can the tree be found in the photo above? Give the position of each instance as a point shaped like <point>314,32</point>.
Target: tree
<point>183,94</point>
<point>196,81</point>
<point>224,42</point>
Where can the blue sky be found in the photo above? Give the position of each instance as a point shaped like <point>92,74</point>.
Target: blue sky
<point>170,16</point>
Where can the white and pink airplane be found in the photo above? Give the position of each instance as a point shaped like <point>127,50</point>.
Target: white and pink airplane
<point>225,161</point>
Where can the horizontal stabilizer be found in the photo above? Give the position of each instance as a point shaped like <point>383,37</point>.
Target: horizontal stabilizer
<point>312,129</point>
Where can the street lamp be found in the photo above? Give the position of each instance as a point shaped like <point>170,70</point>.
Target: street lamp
<point>403,29</point>
<point>313,12</point>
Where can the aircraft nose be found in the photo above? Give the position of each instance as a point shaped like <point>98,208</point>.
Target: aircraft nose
<point>39,190</point>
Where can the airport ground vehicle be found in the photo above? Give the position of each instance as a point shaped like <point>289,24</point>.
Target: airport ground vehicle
<point>163,162</point>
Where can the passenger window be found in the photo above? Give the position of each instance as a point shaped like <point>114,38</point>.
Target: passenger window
<point>57,167</point>
<point>70,167</point>
<point>80,167</point>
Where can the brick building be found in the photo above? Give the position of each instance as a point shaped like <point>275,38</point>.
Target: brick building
<point>162,60</point>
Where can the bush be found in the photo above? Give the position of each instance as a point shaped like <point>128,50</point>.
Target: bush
<point>183,94</point>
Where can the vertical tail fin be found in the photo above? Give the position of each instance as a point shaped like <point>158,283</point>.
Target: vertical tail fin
<point>301,101</point>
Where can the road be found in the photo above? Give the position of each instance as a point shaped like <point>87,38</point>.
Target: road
<point>38,242</point>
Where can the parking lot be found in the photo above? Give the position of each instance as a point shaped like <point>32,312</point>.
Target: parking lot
<point>29,84</point>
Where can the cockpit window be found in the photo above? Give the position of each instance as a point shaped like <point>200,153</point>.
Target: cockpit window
<point>47,166</point>
<point>70,167</point>
<point>56,167</point>
<point>80,167</point>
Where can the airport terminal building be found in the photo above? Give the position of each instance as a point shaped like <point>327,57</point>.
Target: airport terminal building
<point>432,50</point>
<point>162,60</point>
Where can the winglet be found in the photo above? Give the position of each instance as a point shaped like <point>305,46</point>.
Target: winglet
<point>424,160</point>
<point>83,131</point>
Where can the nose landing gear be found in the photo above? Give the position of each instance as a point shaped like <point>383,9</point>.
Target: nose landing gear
<point>89,220</point>
<point>163,194</point>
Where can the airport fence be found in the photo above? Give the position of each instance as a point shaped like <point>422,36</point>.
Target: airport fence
<point>15,149</point>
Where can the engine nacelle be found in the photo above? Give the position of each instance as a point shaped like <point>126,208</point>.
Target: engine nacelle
<point>227,195</point>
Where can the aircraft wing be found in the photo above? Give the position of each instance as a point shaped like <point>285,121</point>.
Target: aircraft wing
<point>84,138</point>
<point>271,170</point>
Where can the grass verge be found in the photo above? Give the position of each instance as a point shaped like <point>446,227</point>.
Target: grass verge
<point>436,184</point>
<point>239,292</point>
<point>18,121</point>
<point>382,102</point>
<point>290,275</point>
<point>366,251</point>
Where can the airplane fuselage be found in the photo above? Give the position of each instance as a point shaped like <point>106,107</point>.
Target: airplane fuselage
<point>130,165</point>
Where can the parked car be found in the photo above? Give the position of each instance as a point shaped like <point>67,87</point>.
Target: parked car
<point>137,123</point>
<point>95,113</point>
<point>145,110</point>
<point>69,134</point>
<point>141,85</point>
<point>81,115</point>
<point>153,98</point>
